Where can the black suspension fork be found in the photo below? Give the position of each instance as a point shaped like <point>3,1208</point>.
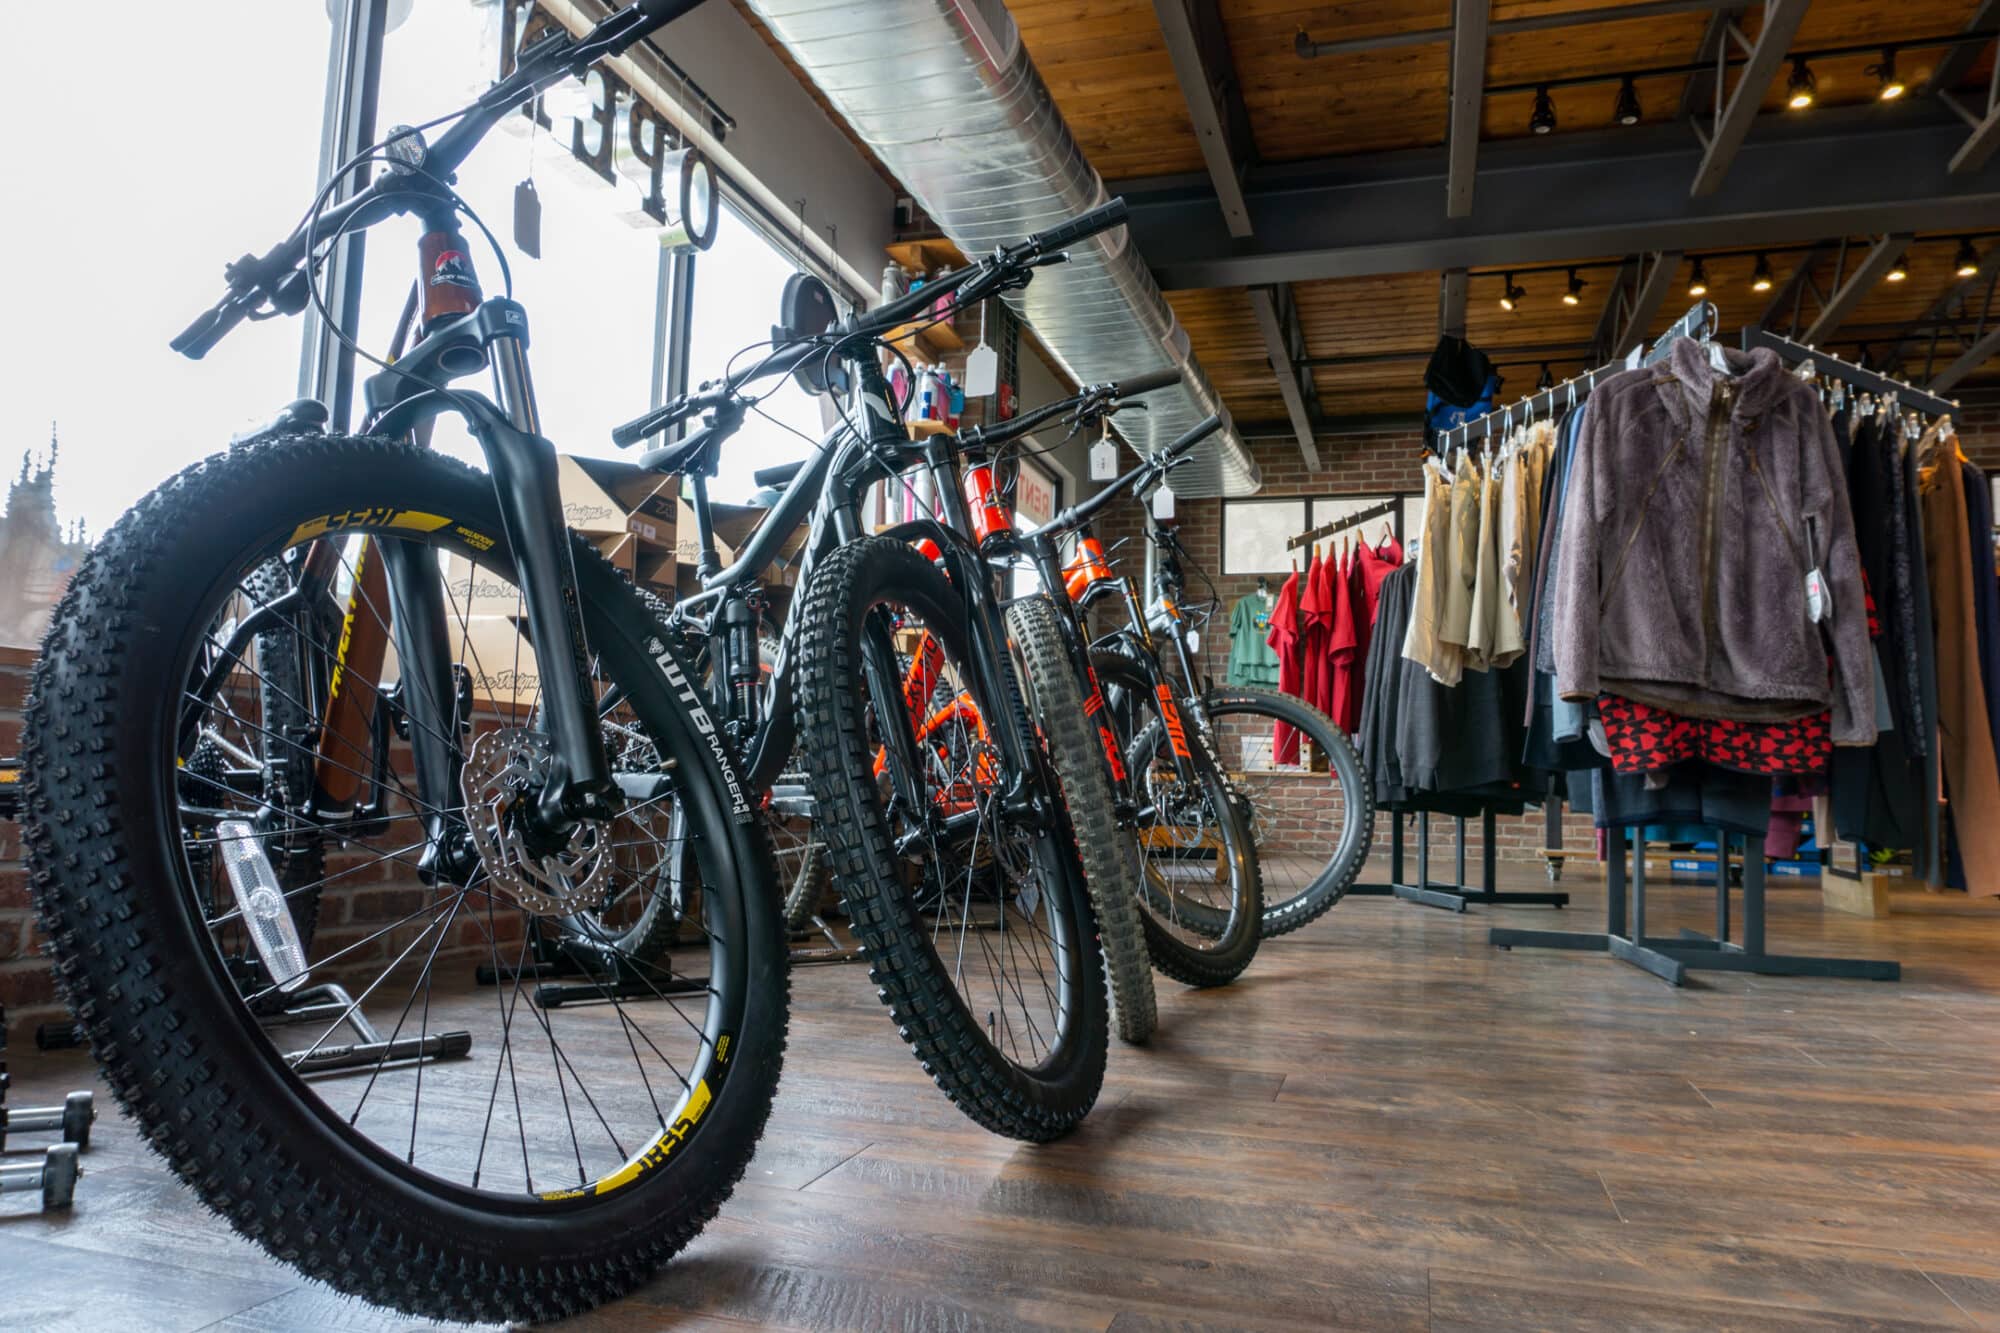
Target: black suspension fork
<point>428,697</point>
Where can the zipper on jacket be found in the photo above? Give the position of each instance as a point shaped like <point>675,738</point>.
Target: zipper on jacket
<point>1719,413</point>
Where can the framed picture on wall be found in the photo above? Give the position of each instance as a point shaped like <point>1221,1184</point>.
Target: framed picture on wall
<point>1254,533</point>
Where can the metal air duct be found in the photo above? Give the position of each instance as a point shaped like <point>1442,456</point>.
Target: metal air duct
<point>945,95</point>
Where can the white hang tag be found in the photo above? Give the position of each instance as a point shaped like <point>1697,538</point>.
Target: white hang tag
<point>982,365</point>
<point>982,372</point>
<point>1819,597</point>
<point>1163,503</point>
<point>1194,640</point>
<point>1103,461</point>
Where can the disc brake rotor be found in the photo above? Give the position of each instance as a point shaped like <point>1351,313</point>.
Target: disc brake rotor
<point>506,769</point>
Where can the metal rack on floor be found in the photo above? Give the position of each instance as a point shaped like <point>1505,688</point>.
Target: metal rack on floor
<point>1453,896</point>
<point>1671,957</point>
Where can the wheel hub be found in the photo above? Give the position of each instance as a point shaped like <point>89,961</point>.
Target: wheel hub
<point>502,777</point>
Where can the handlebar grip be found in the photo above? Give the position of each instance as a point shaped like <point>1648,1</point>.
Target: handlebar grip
<point>1138,384</point>
<point>1193,437</point>
<point>1102,218</point>
<point>209,329</point>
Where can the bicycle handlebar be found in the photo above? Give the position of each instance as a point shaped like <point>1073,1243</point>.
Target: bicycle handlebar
<point>1159,464</point>
<point>254,280</point>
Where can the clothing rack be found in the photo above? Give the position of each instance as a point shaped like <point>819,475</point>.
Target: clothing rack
<point>1701,320</point>
<point>1671,957</point>
<point>1452,896</point>
<point>1828,366</point>
<point>1368,515</point>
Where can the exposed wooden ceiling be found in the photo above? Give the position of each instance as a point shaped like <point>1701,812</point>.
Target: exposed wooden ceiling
<point>1108,66</point>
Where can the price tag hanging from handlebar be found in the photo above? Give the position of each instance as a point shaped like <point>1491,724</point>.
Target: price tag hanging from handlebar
<point>1163,503</point>
<point>1104,457</point>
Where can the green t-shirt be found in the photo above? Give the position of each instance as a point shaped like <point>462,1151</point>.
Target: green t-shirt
<point>1251,660</point>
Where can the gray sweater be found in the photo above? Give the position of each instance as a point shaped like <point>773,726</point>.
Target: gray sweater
<point>1697,504</point>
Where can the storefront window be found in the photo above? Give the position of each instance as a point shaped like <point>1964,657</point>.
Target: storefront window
<point>200,149</point>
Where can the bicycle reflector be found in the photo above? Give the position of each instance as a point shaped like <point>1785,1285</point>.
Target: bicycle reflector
<point>693,206</point>
<point>266,917</point>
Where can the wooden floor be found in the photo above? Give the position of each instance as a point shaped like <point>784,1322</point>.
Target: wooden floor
<point>1386,1124</point>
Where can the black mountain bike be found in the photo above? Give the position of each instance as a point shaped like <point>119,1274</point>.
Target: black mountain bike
<point>936,797</point>
<point>325,721</point>
<point>1312,820</point>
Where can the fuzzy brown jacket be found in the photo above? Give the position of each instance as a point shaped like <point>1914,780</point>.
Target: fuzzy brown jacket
<point>1697,503</point>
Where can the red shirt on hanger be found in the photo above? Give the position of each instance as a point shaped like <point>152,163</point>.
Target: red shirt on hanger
<point>1343,651</point>
<point>1283,638</point>
<point>1315,625</point>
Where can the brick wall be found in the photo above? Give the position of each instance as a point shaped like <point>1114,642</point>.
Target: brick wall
<point>1380,464</point>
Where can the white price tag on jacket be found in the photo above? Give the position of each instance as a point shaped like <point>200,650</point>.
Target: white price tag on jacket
<point>1103,461</point>
<point>1163,503</point>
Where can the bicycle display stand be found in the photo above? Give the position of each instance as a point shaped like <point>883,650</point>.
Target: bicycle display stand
<point>55,1176</point>
<point>331,1001</point>
<point>1452,896</point>
<point>1670,958</point>
<point>833,951</point>
<point>565,981</point>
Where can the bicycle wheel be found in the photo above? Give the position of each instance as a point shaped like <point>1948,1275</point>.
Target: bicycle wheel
<point>480,1156</point>
<point>1109,853</point>
<point>291,703</point>
<point>1312,820</point>
<point>973,911</point>
<point>1202,893</point>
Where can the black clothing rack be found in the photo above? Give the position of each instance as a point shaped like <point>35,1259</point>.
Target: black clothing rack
<point>1368,515</point>
<point>1671,957</point>
<point>1828,366</point>
<point>1452,896</point>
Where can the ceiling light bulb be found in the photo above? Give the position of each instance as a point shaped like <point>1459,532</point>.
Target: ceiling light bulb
<point>1891,85</point>
<point>1801,86</point>
<point>1626,112</point>
<point>1897,271</point>
<point>1544,118</point>
<point>1760,277</point>
<point>1510,294</point>
<point>1698,280</point>
<point>1966,263</point>
<point>1574,295</point>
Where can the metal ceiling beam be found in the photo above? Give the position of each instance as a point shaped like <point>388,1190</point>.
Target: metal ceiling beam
<point>1787,292</point>
<point>1451,301</point>
<point>1468,96</point>
<point>1880,259</point>
<point>1575,18</point>
<point>1781,24</point>
<point>1979,148</point>
<point>1699,91</point>
<point>1951,299</point>
<point>1653,293</point>
<point>1616,301</point>
<point>1277,321</point>
<point>1543,202</point>
<point>1199,46</point>
<point>1955,63</point>
<point>1980,351</point>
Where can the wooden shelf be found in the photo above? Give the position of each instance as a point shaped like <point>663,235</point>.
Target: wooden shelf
<point>928,255</point>
<point>926,342</point>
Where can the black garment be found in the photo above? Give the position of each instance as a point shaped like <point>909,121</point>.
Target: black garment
<point>1891,562</point>
<point>1985,590</point>
<point>1458,371</point>
<point>1382,689</point>
<point>1695,793</point>
<point>1928,856</point>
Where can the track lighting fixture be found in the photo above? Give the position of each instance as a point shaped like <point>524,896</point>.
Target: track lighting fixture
<point>1897,271</point>
<point>1547,380</point>
<point>1544,118</point>
<point>1574,296</point>
<point>1510,295</point>
<point>1627,110</point>
<point>1801,86</point>
<point>1760,277</point>
<point>1891,86</point>
<point>1966,263</point>
<point>1698,280</point>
